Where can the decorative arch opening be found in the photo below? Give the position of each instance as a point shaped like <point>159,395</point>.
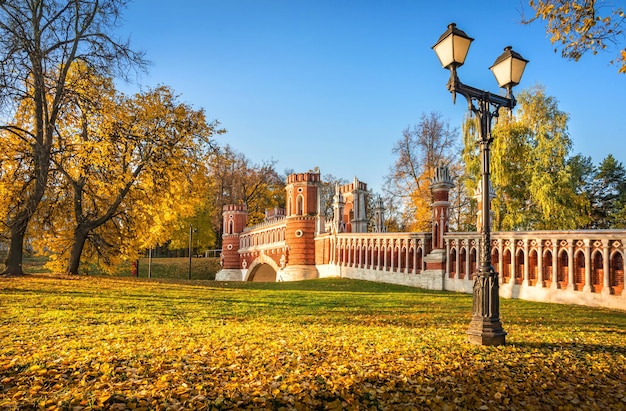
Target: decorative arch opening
<point>473,264</point>
<point>419,260</point>
<point>597,272</point>
<point>506,266</point>
<point>375,254</point>
<point>579,270</point>
<point>616,273</point>
<point>462,265</point>
<point>300,205</point>
<point>387,247</point>
<point>547,268</point>
<point>495,258</point>
<point>350,250</point>
<point>562,269</point>
<point>410,260</point>
<point>452,263</point>
<point>395,256</point>
<point>519,267</point>
<point>533,267</point>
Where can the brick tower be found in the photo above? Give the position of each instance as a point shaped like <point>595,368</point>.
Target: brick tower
<point>355,198</point>
<point>440,185</point>
<point>302,224</point>
<point>235,216</point>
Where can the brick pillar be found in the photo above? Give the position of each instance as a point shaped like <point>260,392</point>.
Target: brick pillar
<point>440,186</point>
<point>435,261</point>
<point>235,216</point>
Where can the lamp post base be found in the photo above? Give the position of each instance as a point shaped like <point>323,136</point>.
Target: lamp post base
<point>485,327</point>
<point>486,331</point>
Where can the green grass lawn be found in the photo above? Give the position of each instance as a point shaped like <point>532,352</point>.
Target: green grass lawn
<point>162,268</point>
<point>125,343</point>
<point>176,268</point>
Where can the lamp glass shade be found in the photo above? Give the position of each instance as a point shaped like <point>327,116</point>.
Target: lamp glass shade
<point>508,68</point>
<point>452,47</point>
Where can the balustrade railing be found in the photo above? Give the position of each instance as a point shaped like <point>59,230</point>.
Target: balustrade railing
<point>586,260</point>
<point>263,235</point>
<point>394,252</point>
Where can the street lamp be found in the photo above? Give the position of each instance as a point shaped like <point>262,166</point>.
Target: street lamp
<point>485,327</point>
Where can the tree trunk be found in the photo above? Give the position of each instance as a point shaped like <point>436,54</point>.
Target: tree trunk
<point>80,236</point>
<point>19,224</point>
<point>13,262</point>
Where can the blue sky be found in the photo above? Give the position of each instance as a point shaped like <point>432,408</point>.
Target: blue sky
<point>334,83</point>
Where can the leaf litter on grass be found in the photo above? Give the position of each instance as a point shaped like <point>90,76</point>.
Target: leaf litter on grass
<point>106,343</point>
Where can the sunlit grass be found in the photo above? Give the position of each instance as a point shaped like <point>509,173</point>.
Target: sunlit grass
<point>174,268</point>
<point>113,343</point>
<point>162,268</point>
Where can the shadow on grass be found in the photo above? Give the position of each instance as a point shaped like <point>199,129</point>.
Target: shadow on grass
<point>325,301</point>
<point>321,302</point>
<point>574,347</point>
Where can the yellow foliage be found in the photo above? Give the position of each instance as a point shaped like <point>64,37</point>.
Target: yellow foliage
<point>421,207</point>
<point>578,27</point>
<point>127,169</point>
<point>96,343</point>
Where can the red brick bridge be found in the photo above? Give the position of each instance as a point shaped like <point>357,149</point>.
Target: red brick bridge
<point>298,243</point>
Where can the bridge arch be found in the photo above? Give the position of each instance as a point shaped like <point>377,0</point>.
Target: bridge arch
<point>262,269</point>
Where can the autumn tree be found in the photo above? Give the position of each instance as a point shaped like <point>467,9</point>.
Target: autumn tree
<point>261,188</point>
<point>426,145</point>
<point>510,155</point>
<point>235,179</point>
<point>531,172</point>
<point>200,221</point>
<point>462,211</point>
<point>582,26</point>
<point>125,171</point>
<point>39,42</point>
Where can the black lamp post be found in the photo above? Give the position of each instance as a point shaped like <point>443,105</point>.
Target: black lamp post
<point>451,48</point>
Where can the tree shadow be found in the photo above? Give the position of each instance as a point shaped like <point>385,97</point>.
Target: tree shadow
<point>576,347</point>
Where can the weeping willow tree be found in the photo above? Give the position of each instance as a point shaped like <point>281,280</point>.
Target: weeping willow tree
<point>531,169</point>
